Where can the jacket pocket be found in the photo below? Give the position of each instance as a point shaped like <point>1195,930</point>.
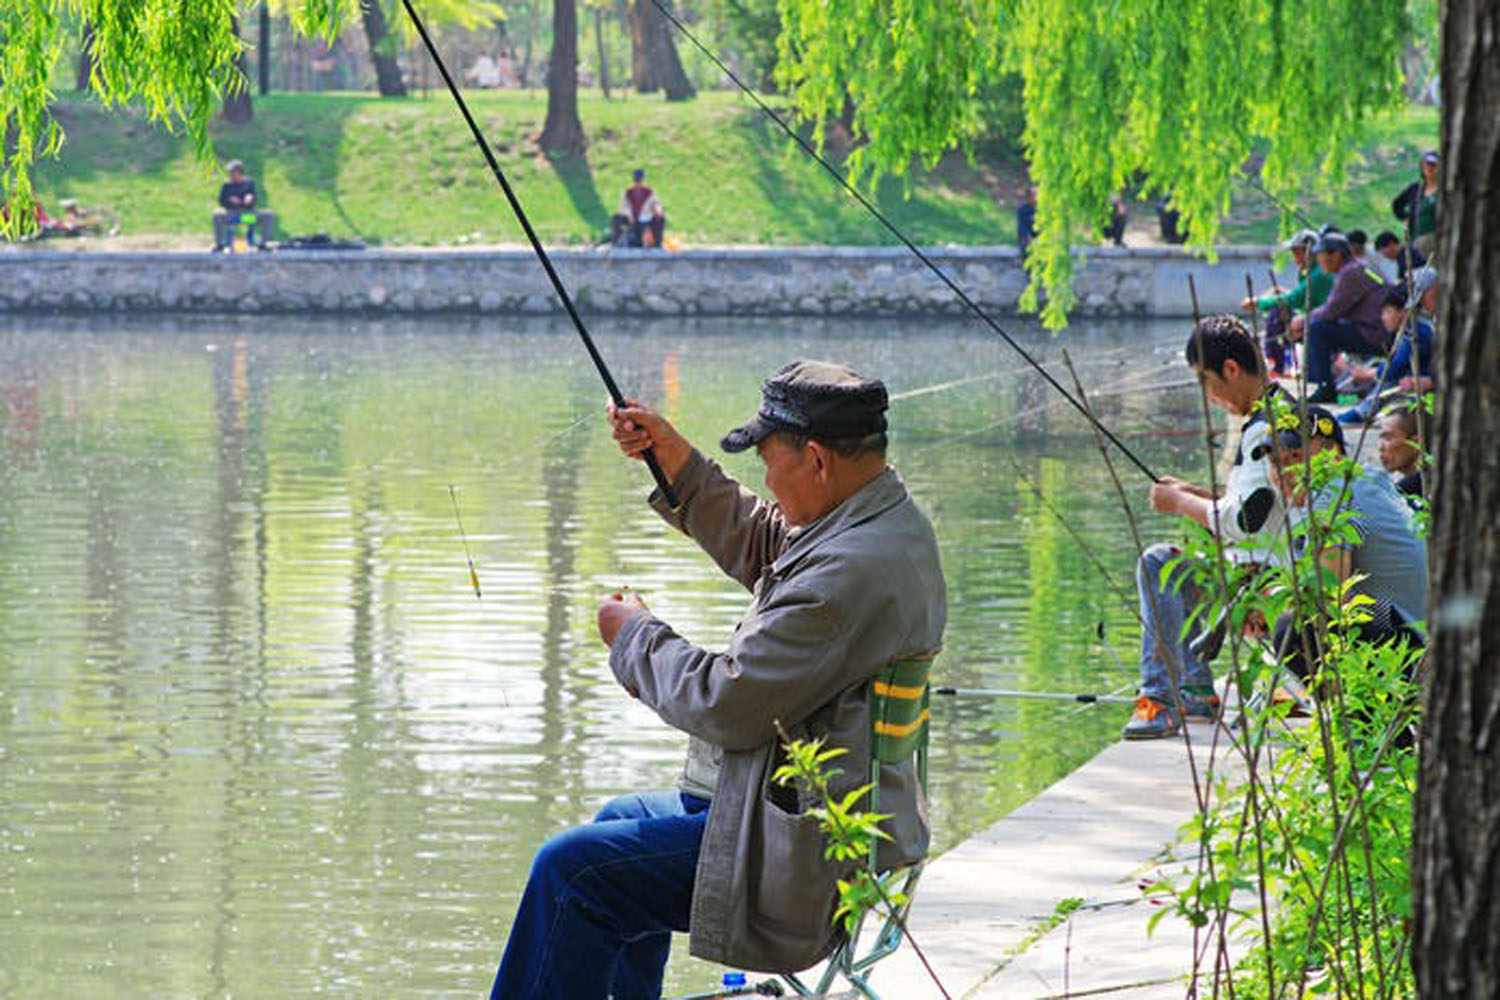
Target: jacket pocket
<point>796,892</point>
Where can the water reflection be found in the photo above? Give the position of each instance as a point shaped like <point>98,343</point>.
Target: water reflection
<point>257,736</point>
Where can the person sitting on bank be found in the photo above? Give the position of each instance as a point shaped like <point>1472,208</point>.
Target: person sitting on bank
<point>1405,257</point>
<point>1176,680</point>
<point>846,579</point>
<point>641,220</point>
<point>1387,558</point>
<point>237,201</point>
<point>1348,321</point>
<point>1398,372</point>
<point>1310,291</point>
<point>1417,204</point>
<point>1401,451</point>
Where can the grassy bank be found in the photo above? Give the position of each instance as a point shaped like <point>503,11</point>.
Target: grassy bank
<point>406,173</point>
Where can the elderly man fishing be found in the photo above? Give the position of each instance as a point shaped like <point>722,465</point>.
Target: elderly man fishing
<point>844,576</point>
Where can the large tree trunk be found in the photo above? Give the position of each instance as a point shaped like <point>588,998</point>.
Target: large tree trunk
<point>1456,843</point>
<point>238,109</point>
<point>382,49</point>
<point>670,73</point>
<point>654,62</point>
<point>563,133</point>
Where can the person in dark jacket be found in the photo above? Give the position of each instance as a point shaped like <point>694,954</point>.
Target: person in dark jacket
<point>1026,220</point>
<point>238,203</point>
<point>1417,204</point>
<point>1348,321</point>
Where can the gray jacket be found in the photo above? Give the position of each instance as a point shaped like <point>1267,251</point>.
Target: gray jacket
<point>834,602</point>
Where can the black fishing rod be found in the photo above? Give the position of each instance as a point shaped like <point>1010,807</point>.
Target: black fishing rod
<point>536,245</point>
<point>880,216</point>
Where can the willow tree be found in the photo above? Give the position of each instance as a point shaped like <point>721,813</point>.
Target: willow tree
<point>1180,91</point>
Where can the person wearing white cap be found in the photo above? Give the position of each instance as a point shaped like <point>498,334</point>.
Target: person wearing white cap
<point>1310,291</point>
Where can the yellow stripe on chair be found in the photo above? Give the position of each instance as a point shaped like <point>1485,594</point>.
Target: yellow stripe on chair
<point>890,729</point>
<point>898,691</point>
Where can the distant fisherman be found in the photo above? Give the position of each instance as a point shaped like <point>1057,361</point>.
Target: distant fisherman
<point>845,576</point>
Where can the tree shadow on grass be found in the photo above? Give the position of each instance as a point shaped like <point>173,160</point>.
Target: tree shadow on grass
<point>578,181</point>
<point>818,210</point>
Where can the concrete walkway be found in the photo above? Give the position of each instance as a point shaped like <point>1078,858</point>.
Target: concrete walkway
<point>987,912</point>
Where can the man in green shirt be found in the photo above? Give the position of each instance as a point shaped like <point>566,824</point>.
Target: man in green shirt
<point>1311,290</point>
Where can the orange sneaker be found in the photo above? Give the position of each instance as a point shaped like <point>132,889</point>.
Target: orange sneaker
<point>1152,720</point>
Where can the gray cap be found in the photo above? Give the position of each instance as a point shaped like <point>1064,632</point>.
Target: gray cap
<point>234,165</point>
<point>1422,279</point>
<point>1302,238</point>
<point>819,399</point>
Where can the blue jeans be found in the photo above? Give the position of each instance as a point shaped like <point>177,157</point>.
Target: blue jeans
<point>1169,663</point>
<point>597,916</point>
<point>1325,338</point>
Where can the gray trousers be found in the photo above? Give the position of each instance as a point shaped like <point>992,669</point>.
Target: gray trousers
<point>1167,660</point>
<point>224,223</point>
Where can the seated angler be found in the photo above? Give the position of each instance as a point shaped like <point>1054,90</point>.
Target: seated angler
<point>1348,321</point>
<point>844,572</point>
<point>238,206</point>
<point>1403,256</point>
<point>641,221</point>
<point>1176,680</point>
<point>1387,558</point>
<point>1401,451</point>
<point>1310,291</point>
<point>1406,370</point>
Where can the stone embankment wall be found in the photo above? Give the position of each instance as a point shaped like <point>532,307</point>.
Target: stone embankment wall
<point>769,282</point>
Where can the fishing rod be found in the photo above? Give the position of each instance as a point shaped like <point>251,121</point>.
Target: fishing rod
<point>891,227</point>
<point>1082,699</point>
<point>615,394</point>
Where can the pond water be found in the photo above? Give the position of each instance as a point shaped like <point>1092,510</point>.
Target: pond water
<point>259,738</point>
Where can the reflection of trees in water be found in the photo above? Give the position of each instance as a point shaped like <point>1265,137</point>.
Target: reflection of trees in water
<point>562,742</point>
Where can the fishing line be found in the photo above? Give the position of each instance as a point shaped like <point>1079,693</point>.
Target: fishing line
<point>473,573</point>
<point>896,232</point>
<point>536,245</point>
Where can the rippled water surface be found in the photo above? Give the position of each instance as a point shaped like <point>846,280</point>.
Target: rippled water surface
<point>258,738</point>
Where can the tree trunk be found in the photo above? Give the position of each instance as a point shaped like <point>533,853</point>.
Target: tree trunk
<point>86,58</point>
<point>654,62</point>
<point>563,133</point>
<point>642,63</point>
<point>382,49</point>
<point>669,71</point>
<point>238,109</point>
<point>1456,840</point>
<point>603,56</point>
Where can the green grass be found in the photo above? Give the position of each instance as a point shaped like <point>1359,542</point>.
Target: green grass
<point>406,172</point>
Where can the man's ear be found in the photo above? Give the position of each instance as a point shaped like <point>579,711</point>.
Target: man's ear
<point>822,461</point>
<point>1230,369</point>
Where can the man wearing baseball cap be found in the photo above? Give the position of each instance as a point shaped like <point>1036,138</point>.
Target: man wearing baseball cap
<point>1348,321</point>
<point>844,575</point>
<point>1310,291</point>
